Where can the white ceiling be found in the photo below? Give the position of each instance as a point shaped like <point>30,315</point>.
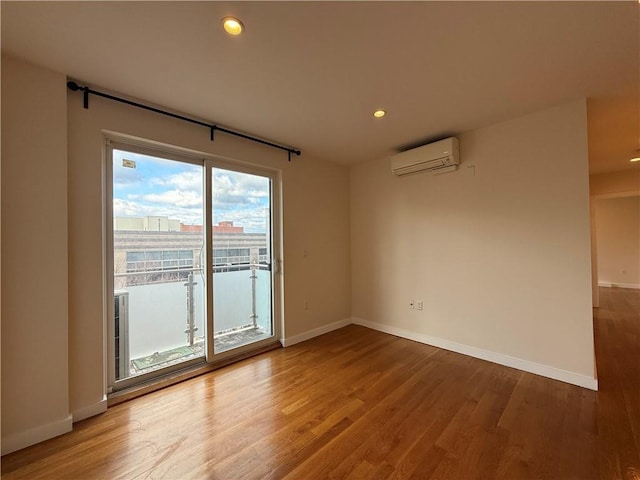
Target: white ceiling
<point>309,74</point>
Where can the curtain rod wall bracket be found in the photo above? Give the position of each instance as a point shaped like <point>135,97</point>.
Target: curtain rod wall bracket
<point>73,86</point>
<point>85,92</point>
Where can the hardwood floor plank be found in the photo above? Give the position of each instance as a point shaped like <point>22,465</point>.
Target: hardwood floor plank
<point>617,334</point>
<point>360,404</point>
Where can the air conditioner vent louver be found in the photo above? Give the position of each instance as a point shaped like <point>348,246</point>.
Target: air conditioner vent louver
<point>121,335</point>
<point>431,157</point>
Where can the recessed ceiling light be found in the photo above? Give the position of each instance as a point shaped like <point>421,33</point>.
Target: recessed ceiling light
<point>232,25</point>
<point>379,113</point>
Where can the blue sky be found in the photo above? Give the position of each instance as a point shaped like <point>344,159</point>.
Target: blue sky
<point>163,187</point>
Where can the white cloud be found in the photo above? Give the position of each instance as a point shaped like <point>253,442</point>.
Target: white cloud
<point>234,189</point>
<point>124,208</point>
<point>185,198</point>
<point>253,220</point>
<point>187,215</point>
<point>187,180</point>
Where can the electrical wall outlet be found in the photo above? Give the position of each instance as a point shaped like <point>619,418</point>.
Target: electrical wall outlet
<point>419,305</point>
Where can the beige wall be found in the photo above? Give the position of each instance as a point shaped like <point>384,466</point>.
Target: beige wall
<point>618,233</point>
<point>316,220</point>
<point>608,185</point>
<point>35,395</point>
<point>499,251</point>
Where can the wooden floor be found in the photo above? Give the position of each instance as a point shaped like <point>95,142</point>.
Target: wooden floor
<point>357,403</point>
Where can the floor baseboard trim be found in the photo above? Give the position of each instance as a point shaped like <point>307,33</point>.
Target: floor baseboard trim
<point>499,358</point>
<point>90,410</point>
<point>20,440</point>
<point>289,341</point>
<point>619,285</point>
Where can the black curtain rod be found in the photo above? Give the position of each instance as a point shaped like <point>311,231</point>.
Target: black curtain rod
<point>212,128</point>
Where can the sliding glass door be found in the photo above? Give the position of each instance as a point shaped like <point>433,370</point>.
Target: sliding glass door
<point>241,263</point>
<point>191,254</point>
<point>158,263</point>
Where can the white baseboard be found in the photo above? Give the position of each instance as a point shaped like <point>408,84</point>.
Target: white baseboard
<point>619,285</point>
<point>17,441</point>
<point>499,358</point>
<point>287,342</point>
<point>90,410</point>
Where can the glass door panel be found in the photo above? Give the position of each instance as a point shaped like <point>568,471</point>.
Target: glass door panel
<point>158,264</point>
<point>241,206</point>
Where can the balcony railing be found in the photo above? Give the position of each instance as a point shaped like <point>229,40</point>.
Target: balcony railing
<point>164,317</point>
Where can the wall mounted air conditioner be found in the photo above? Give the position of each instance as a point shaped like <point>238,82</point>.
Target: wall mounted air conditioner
<point>121,334</point>
<point>437,157</point>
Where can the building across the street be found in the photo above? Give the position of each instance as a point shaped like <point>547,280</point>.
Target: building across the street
<point>160,249</point>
